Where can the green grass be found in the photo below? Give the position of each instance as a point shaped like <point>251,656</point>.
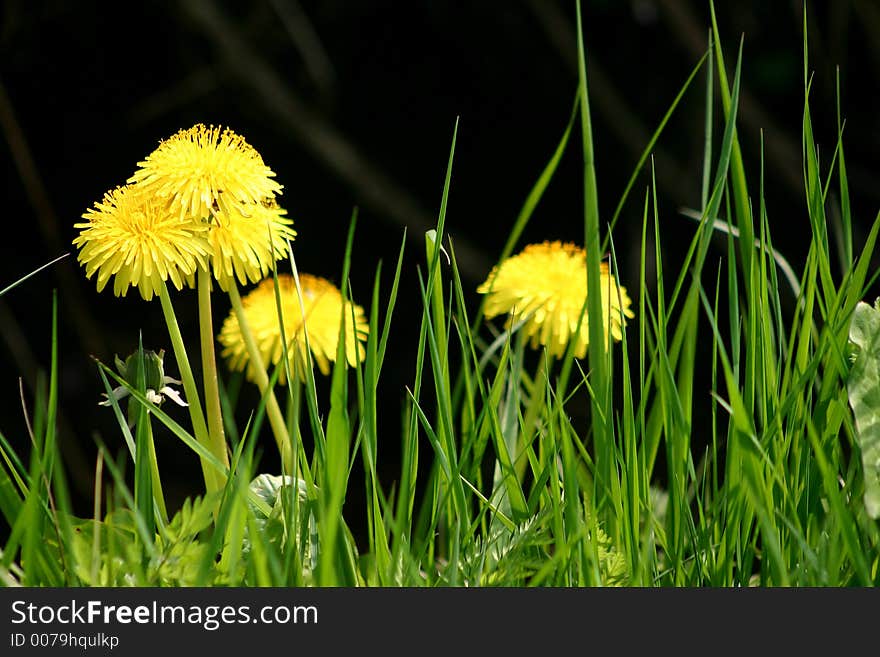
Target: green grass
<point>497,485</point>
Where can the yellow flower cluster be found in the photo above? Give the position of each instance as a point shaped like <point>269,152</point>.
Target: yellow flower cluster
<point>545,287</point>
<point>205,200</point>
<point>202,199</point>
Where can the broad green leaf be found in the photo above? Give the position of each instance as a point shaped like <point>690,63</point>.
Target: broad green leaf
<point>269,488</point>
<point>863,387</point>
<point>274,490</point>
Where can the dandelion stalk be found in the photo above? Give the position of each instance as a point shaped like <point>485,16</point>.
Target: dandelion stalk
<point>534,409</point>
<point>213,479</point>
<point>273,410</point>
<point>217,436</point>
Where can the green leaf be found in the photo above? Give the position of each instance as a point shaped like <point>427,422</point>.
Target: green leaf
<point>863,387</point>
<point>276,492</point>
<point>181,547</point>
<point>269,488</point>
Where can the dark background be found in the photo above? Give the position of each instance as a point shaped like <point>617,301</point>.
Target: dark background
<point>353,104</point>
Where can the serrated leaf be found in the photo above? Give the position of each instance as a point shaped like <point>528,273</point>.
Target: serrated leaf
<point>193,517</point>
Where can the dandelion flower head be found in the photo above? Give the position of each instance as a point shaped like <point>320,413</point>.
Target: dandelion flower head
<point>205,169</point>
<point>545,286</point>
<point>322,309</point>
<point>134,238</point>
<point>244,246</point>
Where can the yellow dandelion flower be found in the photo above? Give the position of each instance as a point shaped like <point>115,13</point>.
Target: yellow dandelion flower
<point>137,240</point>
<point>545,285</point>
<point>246,242</point>
<point>322,312</point>
<point>205,169</point>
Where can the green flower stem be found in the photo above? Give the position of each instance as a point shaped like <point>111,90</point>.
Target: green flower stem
<point>273,411</point>
<point>213,479</point>
<point>534,408</point>
<point>216,434</point>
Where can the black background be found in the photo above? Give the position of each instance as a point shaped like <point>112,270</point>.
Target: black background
<point>353,104</point>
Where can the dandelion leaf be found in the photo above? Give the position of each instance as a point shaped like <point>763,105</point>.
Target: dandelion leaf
<point>863,387</point>
<point>108,552</point>
<point>277,492</point>
<point>270,487</point>
<point>193,517</point>
<point>180,548</point>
